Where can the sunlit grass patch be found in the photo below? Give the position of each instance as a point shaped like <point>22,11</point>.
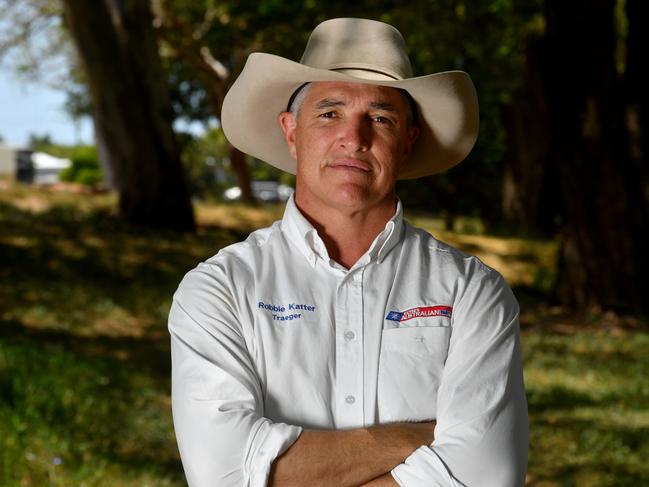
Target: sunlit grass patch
<point>238,217</point>
<point>35,199</point>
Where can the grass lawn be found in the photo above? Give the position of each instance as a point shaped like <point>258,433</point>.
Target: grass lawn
<point>84,354</point>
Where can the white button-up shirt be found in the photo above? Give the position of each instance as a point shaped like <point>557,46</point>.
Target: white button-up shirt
<point>271,336</point>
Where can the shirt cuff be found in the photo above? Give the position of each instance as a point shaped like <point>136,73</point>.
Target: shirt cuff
<point>424,468</point>
<point>266,444</point>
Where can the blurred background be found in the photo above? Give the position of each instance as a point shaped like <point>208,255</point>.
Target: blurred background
<point>115,180</point>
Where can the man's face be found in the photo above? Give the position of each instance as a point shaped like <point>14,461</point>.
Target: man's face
<point>350,140</point>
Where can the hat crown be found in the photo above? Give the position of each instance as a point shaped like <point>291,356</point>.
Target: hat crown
<point>362,48</point>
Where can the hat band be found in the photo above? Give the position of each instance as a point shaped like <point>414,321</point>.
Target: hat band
<point>368,74</point>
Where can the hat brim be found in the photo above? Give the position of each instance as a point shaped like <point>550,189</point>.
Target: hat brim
<point>447,111</point>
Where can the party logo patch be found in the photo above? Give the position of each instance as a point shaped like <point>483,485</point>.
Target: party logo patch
<point>420,312</point>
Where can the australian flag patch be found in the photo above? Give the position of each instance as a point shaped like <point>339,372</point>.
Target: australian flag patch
<point>419,312</point>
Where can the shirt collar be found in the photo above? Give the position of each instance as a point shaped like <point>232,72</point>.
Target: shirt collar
<point>301,232</point>
<point>389,237</point>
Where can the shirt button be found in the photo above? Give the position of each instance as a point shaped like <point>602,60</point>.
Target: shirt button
<point>350,399</point>
<point>349,335</point>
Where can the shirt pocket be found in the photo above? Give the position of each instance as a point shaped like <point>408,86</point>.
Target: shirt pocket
<point>410,369</point>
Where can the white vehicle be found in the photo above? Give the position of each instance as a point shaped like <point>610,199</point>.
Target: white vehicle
<point>264,191</point>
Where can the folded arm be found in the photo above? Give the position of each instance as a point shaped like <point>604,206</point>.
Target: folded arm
<point>217,401</point>
<point>482,427</point>
<point>351,458</point>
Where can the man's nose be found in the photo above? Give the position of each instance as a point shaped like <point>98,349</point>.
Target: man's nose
<point>355,134</point>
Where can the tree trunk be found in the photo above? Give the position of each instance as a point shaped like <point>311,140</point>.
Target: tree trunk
<point>529,202</point>
<point>116,43</point>
<point>240,168</point>
<point>636,88</point>
<point>603,254</point>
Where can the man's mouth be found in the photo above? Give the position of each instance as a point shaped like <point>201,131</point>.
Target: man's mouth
<point>350,164</point>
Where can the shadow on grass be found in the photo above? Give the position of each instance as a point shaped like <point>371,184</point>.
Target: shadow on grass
<point>65,267</point>
<point>146,354</point>
<point>556,398</point>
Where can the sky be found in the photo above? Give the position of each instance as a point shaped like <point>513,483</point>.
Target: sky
<point>34,108</point>
<point>31,107</point>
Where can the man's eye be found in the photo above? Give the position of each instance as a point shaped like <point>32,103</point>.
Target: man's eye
<point>381,119</point>
<point>328,115</point>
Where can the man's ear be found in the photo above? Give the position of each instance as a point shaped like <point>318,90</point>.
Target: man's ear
<point>289,124</point>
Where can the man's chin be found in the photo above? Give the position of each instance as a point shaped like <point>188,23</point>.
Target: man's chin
<point>351,195</point>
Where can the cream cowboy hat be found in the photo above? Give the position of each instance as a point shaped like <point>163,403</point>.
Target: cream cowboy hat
<point>361,51</point>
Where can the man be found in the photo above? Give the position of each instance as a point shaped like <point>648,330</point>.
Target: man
<point>342,347</point>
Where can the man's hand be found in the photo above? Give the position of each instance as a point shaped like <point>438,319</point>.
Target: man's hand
<point>349,458</point>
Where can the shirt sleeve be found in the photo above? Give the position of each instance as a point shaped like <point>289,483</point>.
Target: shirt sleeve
<point>481,436</point>
<point>217,400</point>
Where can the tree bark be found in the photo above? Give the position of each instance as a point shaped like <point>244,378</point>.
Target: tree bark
<point>117,46</point>
<point>531,201</point>
<point>603,254</point>
<point>636,84</point>
<point>240,168</point>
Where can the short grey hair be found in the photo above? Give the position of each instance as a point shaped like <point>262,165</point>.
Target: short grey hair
<point>297,99</point>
